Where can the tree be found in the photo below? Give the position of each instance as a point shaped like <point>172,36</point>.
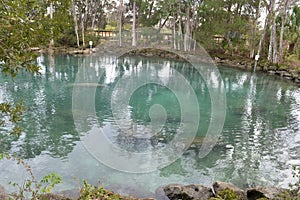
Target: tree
<point>75,22</point>
<point>293,31</point>
<point>134,24</point>
<point>284,10</point>
<point>120,22</point>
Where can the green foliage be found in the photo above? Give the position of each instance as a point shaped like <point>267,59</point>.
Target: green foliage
<point>13,114</point>
<point>293,31</point>
<point>227,194</point>
<point>31,186</point>
<point>88,192</point>
<point>22,26</point>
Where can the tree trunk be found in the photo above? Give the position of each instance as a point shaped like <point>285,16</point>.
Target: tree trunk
<point>261,42</point>
<point>179,35</point>
<point>174,33</point>
<point>120,22</point>
<point>134,25</point>
<point>83,20</point>
<point>93,22</point>
<point>263,35</point>
<point>274,42</point>
<point>82,30</point>
<point>51,17</point>
<point>187,30</point>
<point>254,30</point>
<point>283,21</point>
<point>270,44</point>
<point>273,34</point>
<point>75,23</point>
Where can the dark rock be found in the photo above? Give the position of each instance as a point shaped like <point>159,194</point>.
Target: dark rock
<point>189,192</point>
<point>198,192</point>
<point>268,193</point>
<point>221,186</point>
<point>173,191</point>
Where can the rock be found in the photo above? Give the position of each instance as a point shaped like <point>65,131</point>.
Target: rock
<point>221,186</point>
<point>189,192</point>
<point>286,75</point>
<point>271,72</point>
<point>3,194</point>
<point>217,59</point>
<point>198,192</point>
<point>267,192</point>
<point>173,191</point>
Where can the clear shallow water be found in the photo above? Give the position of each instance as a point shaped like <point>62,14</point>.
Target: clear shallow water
<point>259,143</point>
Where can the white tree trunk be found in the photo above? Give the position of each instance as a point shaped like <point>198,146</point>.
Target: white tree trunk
<point>83,20</point>
<point>263,35</point>
<point>174,33</point>
<point>51,17</point>
<point>75,22</point>
<point>270,53</point>
<point>187,31</point>
<point>93,22</point>
<point>120,22</point>
<point>82,30</point>
<point>261,42</point>
<point>179,35</point>
<point>274,42</point>
<point>283,21</point>
<point>254,30</point>
<point>134,25</point>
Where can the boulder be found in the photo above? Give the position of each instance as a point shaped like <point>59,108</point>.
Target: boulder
<point>268,193</point>
<point>173,191</point>
<point>189,192</point>
<point>221,186</point>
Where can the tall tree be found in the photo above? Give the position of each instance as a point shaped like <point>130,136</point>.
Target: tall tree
<point>120,22</point>
<point>268,6</point>
<point>74,12</point>
<point>187,34</point>
<point>284,10</point>
<point>51,10</point>
<point>134,24</point>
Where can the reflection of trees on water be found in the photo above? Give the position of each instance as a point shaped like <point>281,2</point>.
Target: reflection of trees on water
<point>257,107</point>
<point>48,122</point>
<point>142,100</point>
<point>261,114</point>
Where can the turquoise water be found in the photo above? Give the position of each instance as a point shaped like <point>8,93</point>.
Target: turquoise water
<point>259,143</point>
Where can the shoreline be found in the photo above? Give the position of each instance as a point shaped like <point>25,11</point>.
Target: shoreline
<point>217,191</point>
<point>286,72</point>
